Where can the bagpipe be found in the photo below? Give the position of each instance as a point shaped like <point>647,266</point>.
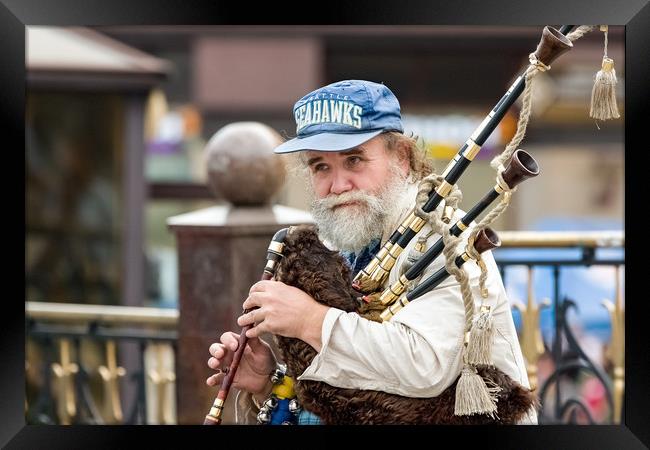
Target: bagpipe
<point>273,256</point>
<point>298,258</point>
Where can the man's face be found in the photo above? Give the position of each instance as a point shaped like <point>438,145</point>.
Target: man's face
<point>366,168</point>
<point>355,192</point>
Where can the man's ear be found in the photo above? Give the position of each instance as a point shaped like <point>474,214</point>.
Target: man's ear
<point>403,159</point>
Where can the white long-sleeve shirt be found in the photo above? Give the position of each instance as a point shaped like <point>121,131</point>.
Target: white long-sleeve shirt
<point>418,352</point>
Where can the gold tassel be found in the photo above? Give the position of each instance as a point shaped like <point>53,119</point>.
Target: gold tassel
<point>479,347</point>
<point>371,308</point>
<point>417,251</point>
<point>473,396</point>
<point>603,94</point>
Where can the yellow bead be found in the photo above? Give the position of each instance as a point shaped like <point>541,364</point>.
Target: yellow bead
<point>285,389</point>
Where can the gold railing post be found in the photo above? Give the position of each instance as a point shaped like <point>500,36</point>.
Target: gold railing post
<point>110,374</point>
<point>532,344</point>
<point>616,350</point>
<point>162,377</point>
<point>64,372</point>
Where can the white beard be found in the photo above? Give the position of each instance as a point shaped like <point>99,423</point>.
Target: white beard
<point>350,228</point>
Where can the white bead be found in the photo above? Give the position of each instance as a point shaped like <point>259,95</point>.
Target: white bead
<point>294,406</point>
<point>263,416</point>
<point>270,403</point>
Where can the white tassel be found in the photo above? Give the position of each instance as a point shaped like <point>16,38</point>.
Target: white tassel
<point>479,347</point>
<point>473,396</point>
<point>603,95</point>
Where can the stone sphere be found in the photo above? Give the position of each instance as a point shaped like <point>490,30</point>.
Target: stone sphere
<point>242,167</point>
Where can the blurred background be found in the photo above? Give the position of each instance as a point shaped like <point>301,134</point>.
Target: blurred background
<point>118,120</point>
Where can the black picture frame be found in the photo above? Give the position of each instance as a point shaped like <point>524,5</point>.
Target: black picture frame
<point>633,14</point>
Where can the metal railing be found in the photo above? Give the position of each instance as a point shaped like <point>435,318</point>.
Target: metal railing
<point>72,357</point>
<point>74,375</point>
<point>576,389</point>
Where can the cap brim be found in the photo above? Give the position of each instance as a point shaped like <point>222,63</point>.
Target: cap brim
<point>326,142</point>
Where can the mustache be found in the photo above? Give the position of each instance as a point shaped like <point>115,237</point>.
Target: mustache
<point>333,200</point>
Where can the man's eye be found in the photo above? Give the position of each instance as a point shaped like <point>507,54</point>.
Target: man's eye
<point>353,160</point>
<point>319,167</point>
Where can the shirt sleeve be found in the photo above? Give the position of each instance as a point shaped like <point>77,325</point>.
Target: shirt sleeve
<point>416,354</point>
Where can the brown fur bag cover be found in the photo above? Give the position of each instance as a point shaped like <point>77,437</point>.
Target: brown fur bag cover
<point>324,274</point>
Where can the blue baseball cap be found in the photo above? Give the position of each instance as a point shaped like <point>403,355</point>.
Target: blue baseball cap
<point>343,115</point>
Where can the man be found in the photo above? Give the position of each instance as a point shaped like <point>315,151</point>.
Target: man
<point>363,173</point>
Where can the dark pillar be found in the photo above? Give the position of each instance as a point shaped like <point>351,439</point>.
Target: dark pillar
<point>222,252</point>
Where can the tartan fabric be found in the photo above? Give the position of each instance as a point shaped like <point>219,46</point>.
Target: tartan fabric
<point>307,418</point>
<point>365,256</point>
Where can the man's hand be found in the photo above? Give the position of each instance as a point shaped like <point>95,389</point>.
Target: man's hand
<point>283,310</point>
<point>255,367</point>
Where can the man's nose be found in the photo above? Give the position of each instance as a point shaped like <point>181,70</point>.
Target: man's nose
<point>341,182</point>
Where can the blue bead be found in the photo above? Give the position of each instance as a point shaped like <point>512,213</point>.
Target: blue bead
<point>281,413</point>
